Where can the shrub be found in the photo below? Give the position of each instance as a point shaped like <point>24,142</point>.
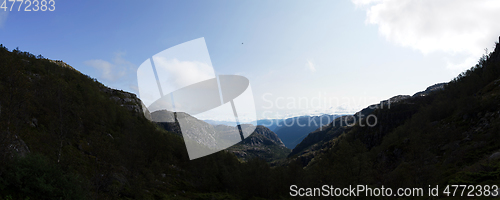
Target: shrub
<point>35,177</point>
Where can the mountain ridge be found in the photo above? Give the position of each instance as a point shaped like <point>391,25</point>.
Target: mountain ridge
<point>63,137</point>
<point>261,143</point>
<point>320,138</point>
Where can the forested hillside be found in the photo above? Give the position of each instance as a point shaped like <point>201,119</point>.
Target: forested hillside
<point>449,136</point>
<point>64,135</point>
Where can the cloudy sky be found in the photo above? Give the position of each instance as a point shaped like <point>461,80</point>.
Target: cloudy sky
<point>301,57</point>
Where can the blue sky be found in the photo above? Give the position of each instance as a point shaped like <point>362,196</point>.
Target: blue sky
<point>357,52</point>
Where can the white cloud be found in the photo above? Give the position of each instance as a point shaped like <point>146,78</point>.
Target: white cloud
<point>112,71</point>
<point>175,74</point>
<point>364,2</point>
<point>451,26</point>
<point>310,66</point>
<point>104,67</point>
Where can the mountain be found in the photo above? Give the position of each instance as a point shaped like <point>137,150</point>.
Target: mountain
<point>215,122</point>
<point>293,130</point>
<point>446,135</point>
<point>432,88</point>
<point>64,135</point>
<point>198,131</point>
<point>262,130</point>
<point>263,144</point>
<point>290,130</point>
<point>320,139</point>
<point>272,124</point>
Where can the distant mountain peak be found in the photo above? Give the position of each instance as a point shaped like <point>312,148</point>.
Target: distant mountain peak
<point>432,88</point>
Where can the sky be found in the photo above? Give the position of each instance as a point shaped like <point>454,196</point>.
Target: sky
<point>301,57</point>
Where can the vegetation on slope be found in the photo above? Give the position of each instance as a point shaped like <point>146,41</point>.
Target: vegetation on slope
<point>263,144</point>
<point>447,137</point>
<point>65,135</point>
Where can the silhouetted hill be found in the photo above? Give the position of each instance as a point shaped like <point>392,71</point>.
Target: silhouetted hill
<point>262,143</point>
<point>293,130</point>
<point>64,135</point>
<point>320,139</point>
<point>432,88</point>
<point>445,135</point>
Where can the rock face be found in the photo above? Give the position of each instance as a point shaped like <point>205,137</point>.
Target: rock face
<point>262,143</point>
<point>268,139</point>
<point>19,147</point>
<point>494,156</point>
<point>432,88</point>
<point>62,64</point>
<point>15,145</point>
<point>198,131</point>
<point>126,99</point>
<point>269,134</point>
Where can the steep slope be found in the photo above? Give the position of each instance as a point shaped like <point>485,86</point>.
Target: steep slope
<point>263,144</point>
<point>262,130</point>
<point>400,108</point>
<point>447,136</point>
<point>214,122</point>
<point>293,130</point>
<point>63,135</point>
<point>69,125</point>
<point>432,88</point>
<point>198,131</point>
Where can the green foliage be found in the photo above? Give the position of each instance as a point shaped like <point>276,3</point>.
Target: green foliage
<point>80,137</point>
<point>83,142</point>
<point>34,177</point>
<point>436,139</point>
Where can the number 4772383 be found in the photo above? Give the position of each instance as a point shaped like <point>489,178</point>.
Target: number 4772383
<point>29,5</point>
